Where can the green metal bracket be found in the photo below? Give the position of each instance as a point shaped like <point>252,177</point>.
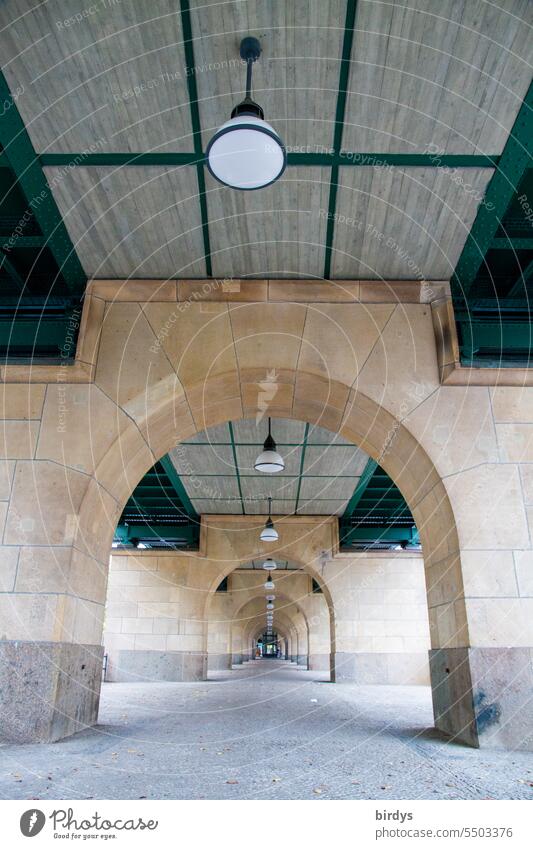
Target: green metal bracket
<point>19,153</point>
<point>379,534</point>
<point>6,263</point>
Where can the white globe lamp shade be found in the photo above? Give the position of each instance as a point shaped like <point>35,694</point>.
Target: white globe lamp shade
<point>270,606</point>
<point>270,597</point>
<point>269,533</point>
<point>269,585</point>
<point>246,153</point>
<point>270,564</point>
<point>269,462</point>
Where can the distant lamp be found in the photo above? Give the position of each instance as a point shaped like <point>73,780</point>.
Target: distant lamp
<point>269,533</point>
<point>269,583</point>
<point>270,606</point>
<point>270,565</point>
<point>269,460</point>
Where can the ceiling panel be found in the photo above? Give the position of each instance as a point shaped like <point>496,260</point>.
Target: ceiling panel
<point>332,488</point>
<point>320,436</point>
<point>212,506</point>
<point>403,224</point>
<point>206,459</point>
<point>132,222</point>
<point>334,460</point>
<point>220,487</point>
<point>450,74</point>
<point>216,434</point>
<point>114,80</point>
<point>322,508</point>
<point>284,431</point>
<point>276,487</point>
<point>297,76</point>
<point>277,232</point>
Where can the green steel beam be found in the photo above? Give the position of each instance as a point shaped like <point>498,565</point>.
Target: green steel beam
<point>526,275</point>
<point>379,533</point>
<point>489,335</point>
<point>343,159</point>
<point>349,24</point>
<point>118,159</point>
<point>178,487</point>
<point>302,461</point>
<point>6,264</point>
<point>19,152</point>
<point>196,127</point>
<point>364,480</point>
<point>515,159</point>
<point>9,242</point>
<point>512,243</point>
<point>125,533</point>
<point>237,473</point>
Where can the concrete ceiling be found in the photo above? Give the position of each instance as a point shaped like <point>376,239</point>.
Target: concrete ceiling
<point>321,473</point>
<point>116,82</point>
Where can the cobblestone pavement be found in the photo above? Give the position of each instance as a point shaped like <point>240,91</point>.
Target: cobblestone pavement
<point>266,730</point>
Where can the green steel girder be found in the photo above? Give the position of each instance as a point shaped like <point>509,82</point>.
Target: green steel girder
<point>385,534</point>
<point>301,470</point>
<point>188,45</point>
<point>184,536</point>
<point>526,276</point>
<point>342,159</point>
<point>178,487</point>
<point>237,473</point>
<point>347,42</point>
<point>7,244</point>
<point>364,480</point>
<point>513,163</point>
<point>513,243</point>
<point>11,269</point>
<point>490,337</point>
<point>19,153</point>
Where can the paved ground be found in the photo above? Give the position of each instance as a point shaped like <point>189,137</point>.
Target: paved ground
<point>263,731</point>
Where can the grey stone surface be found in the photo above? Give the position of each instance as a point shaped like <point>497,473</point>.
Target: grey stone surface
<point>47,690</point>
<point>218,661</point>
<point>382,667</point>
<point>236,658</point>
<point>156,666</point>
<point>252,724</point>
<point>320,662</point>
<point>303,660</point>
<point>484,696</point>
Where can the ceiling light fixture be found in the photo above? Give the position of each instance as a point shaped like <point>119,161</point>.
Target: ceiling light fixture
<point>270,564</point>
<point>269,461</point>
<point>246,153</point>
<point>270,606</point>
<point>269,533</point>
<point>269,583</point>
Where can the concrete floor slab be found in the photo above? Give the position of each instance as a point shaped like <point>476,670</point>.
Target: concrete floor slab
<point>265,730</point>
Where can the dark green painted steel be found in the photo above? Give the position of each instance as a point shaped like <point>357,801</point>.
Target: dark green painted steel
<point>19,153</point>
<point>343,159</point>
<point>188,44</point>
<point>237,473</point>
<point>8,265</point>
<point>515,159</point>
<point>515,243</point>
<point>178,487</point>
<point>347,42</point>
<point>302,463</point>
<point>380,534</point>
<point>369,470</point>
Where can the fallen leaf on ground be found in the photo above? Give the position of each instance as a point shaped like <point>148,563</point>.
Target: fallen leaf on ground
<point>232,781</point>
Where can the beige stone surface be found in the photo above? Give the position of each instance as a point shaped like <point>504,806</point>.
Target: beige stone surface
<point>21,400</point>
<point>18,439</point>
